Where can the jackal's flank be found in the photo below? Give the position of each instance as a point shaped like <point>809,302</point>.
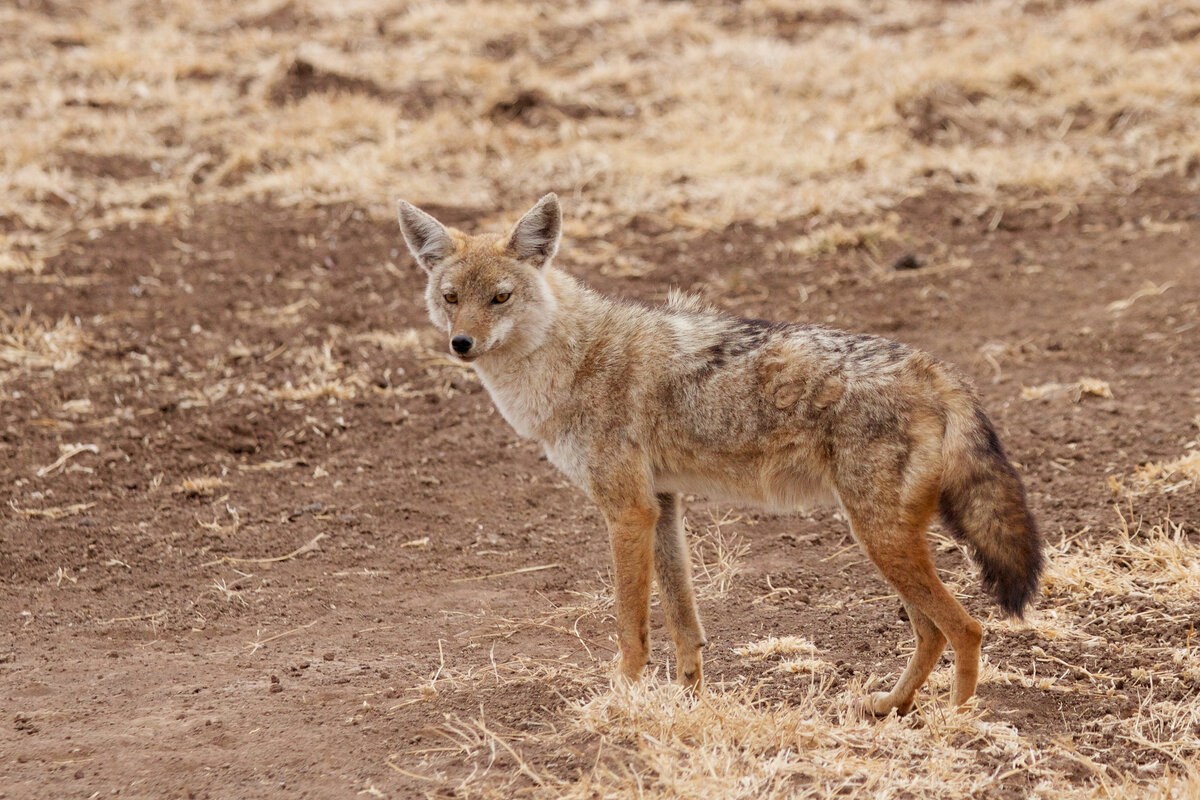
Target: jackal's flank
<point>638,405</point>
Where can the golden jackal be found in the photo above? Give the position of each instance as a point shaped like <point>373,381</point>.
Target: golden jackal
<point>638,404</point>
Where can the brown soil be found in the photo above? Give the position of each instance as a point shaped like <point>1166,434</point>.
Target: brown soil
<point>143,650</point>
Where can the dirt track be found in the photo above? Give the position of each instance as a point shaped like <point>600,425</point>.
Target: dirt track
<point>150,646</point>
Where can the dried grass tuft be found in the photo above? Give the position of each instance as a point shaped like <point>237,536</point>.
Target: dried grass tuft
<point>320,376</point>
<point>202,486</point>
<point>1164,476</point>
<point>835,237</point>
<point>731,743</point>
<point>1075,392</point>
<point>28,345</point>
<point>1134,561</point>
<point>717,554</point>
<point>777,646</point>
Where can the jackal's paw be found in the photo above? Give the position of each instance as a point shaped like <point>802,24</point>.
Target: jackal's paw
<point>880,704</point>
<point>963,700</point>
<point>630,670</point>
<point>691,674</point>
<point>962,693</point>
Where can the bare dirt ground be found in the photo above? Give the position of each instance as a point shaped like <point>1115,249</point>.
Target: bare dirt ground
<point>152,645</point>
<point>264,539</point>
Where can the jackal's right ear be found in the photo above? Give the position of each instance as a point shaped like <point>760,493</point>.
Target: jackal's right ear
<point>427,239</point>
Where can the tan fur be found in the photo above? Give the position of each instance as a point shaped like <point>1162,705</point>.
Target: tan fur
<point>638,405</point>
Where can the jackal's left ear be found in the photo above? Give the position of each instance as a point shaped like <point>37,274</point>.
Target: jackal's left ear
<point>427,239</point>
<point>535,237</point>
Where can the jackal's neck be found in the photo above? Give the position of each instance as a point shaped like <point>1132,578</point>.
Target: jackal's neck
<point>527,386</point>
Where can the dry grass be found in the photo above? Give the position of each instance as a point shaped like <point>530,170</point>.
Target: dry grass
<point>55,512</point>
<point>1166,477</point>
<point>410,340</point>
<point>201,486</point>
<point>719,551</point>
<point>657,741</point>
<point>322,376</point>
<point>733,744</point>
<point>836,236</point>
<point>1075,391</point>
<point>654,740</point>
<point>1134,560</point>
<point>31,346</point>
<point>1149,290</point>
<point>776,646</point>
<point>697,113</point>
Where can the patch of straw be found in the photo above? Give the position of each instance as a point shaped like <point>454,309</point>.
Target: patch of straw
<point>1075,392</point>
<point>202,486</point>
<point>777,646</point>
<point>718,552</point>
<point>1149,290</point>
<point>28,345</point>
<point>836,236</point>
<point>1164,476</point>
<point>1134,560</point>
<point>55,512</point>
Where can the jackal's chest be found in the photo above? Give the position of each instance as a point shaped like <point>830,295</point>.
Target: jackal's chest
<point>570,461</point>
<point>526,405</point>
<point>534,411</point>
<point>519,416</point>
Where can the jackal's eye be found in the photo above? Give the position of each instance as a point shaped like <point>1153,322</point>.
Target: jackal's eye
<point>450,297</point>
<point>502,297</point>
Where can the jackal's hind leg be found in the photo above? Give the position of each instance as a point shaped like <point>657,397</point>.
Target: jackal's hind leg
<point>672,564</point>
<point>909,568</point>
<point>930,644</point>
<point>893,534</point>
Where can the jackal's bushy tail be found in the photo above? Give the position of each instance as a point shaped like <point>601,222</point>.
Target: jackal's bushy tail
<point>982,502</point>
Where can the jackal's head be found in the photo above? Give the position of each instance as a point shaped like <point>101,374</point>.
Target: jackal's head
<point>488,293</point>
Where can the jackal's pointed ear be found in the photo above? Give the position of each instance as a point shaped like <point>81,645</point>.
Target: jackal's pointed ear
<point>535,237</point>
<point>427,239</point>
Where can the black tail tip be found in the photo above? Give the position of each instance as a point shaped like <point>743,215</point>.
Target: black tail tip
<point>1014,592</point>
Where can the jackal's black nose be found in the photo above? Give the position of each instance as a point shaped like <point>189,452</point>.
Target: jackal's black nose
<point>461,344</point>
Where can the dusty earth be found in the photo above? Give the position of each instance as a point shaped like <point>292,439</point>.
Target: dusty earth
<point>299,520</point>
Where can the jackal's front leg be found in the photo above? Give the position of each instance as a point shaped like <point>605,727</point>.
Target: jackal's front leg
<point>631,532</point>
<point>674,569</point>
<point>621,489</point>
